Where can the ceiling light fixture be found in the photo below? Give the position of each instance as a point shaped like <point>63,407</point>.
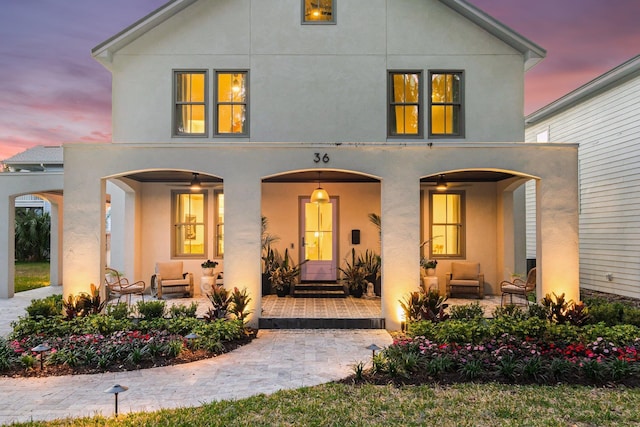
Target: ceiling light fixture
<point>441,184</point>
<point>319,195</point>
<point>195,184</point>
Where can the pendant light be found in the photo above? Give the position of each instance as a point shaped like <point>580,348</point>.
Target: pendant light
<point>195,184</point>
<point>441,184</point>
<point>319,195</point>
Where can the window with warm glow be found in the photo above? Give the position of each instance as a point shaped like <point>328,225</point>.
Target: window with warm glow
<point>405,109</point>
<point>318,11</point>
<point>219,197</point>
<point>190,231</point>
<point>447,224</point>
<point>232,95</point>
<point>446,107</point>
<point>190,113</point>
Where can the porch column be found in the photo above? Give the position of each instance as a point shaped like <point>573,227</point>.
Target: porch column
<point>55,258</point>
<point>7,246</point>
<point>400,241</point>
<point>84,228</point>
<point>242,201</point>
<point>557,234</point>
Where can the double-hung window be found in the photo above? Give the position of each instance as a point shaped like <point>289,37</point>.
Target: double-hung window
<point>190,223</point>
<point>318,11</point>
<point>447,224</point>
<point>232,102</point>
<point>405,104</point>
<point>446,112</point>
<point>190,105</point>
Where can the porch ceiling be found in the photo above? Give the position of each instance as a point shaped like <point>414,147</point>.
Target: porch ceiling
<point>170,176</point>
<point>470,176</point>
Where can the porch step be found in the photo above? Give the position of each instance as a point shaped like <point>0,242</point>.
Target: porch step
<point>319,290</point>
<point>321,323</point>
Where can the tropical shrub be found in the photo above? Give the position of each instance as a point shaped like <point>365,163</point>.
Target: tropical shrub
<point>151,309</point>
<point>45,307</point>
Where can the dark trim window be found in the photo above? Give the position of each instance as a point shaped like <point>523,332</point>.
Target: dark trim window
<point>190,103</point>
<point>405,115</point>
<point>446,104</point>
<point>447,220</point>
<point>189,238</point>
<point>319,11</point>
<point>232,103</point>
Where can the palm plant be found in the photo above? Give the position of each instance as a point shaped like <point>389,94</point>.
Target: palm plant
<point>33,232</point>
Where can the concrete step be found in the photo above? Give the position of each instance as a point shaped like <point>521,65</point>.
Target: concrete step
<point>319,290</point>
<point>321,323</point>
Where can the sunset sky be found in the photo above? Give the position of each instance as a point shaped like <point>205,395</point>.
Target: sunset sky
<point>52,92</point>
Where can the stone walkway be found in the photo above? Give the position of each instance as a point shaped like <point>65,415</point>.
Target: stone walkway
<point>276,360</point>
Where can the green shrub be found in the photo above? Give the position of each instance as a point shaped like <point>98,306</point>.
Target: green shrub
<point>509,310</point>
<point>7,355</point>
<point>179,310</point>
<point>461,331</point>
<point>151,309</point>
<point>421,328</point>
<point>467,311</point>
<point>631,316</point>
<point>45,307</point>
<point>118,311</point>
<point>608,313</point>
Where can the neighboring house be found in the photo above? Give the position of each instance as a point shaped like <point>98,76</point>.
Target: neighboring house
<point>33,180</point>
<point>376,101</point>
<point>603,116</point>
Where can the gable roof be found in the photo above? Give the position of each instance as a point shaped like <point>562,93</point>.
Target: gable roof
<point>532,52</point>
<point>38,158</point>
<point>618,75</point>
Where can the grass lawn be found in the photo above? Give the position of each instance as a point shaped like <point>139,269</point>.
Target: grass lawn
<point>31,275</point>
<point>348,405</point>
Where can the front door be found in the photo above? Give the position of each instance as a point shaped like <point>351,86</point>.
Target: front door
<point>319,240</point>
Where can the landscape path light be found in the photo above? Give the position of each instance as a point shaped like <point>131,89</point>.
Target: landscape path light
<point>41,349</point>
<point>115,390</point>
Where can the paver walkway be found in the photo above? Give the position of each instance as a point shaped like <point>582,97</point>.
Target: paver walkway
<point>276,360</point>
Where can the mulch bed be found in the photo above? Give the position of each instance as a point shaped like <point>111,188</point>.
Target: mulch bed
<point>185,356</point>
<point>586,293</point>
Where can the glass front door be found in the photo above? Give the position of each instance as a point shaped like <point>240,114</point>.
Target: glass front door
<point>319,240</point>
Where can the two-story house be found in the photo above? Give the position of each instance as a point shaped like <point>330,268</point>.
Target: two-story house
<point>375,101</point>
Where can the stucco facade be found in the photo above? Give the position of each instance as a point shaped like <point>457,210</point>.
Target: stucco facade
<point>318,102</point>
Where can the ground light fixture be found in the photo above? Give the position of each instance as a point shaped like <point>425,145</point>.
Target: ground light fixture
<point>115,390</point>
<point>41,349</point>
<point>190,337</point>
<point>373,349</point>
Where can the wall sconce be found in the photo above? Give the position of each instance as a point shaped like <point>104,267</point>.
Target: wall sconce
<point>115,390</point>
<point>41,349</point>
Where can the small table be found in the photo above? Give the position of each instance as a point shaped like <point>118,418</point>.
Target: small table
<point>430,283</point>
<point>206,284</point>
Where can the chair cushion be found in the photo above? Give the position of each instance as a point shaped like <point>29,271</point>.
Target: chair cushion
<point>465,271</point>
<point>513,289</point>
<point>175,282</point>
<point>472,283</point>
<point>169,270</point>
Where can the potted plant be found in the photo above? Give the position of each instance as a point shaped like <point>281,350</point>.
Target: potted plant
<point>207,267</point>
<point>354,276</point>
<point>429,265</point>
<point>285,275</point>
<point>370,261</point>
<point>271,258</point>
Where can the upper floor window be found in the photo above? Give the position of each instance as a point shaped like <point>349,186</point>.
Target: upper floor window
<point>319,11</point>
<point>189,223</point>
<point>190,111</point>
<point>447,224</point>
<point>446,110</point>
<point>232,102</point>
<point>405,104</point>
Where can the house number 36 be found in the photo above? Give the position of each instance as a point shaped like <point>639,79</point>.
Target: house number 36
<point>319,157</point>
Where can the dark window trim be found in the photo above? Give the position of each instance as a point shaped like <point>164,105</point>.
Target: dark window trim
<point>463,225</point>
<point>247,104</point>
<point>461,121</point>
<point>174,103</point>
<point>390,105</point>
<point>334,10</point>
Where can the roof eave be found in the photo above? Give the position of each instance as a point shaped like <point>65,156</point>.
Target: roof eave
<point>105,50</point>
<point>532,53</point>
<point>615,76</point>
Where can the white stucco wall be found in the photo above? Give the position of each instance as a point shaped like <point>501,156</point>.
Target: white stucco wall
<point>316,83</point>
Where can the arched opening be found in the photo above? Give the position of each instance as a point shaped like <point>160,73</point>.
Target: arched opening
<point>478,216</point>
<point>335,242</point>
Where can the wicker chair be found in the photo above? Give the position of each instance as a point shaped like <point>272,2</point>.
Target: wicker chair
<point>120,286</point>
<point>519,287</point>
<point>465,277</point>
